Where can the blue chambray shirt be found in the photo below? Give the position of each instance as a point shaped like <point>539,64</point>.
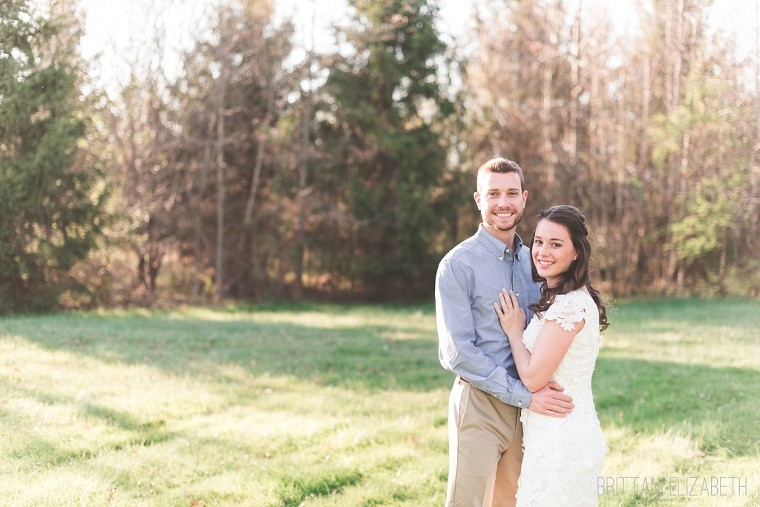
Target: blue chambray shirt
<point>471,342</point>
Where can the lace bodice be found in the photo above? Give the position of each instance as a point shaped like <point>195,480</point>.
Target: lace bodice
<point>577,367</point>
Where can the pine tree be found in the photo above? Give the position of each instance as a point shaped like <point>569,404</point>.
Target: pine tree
<point>386,156</point>
<point>49,195</point>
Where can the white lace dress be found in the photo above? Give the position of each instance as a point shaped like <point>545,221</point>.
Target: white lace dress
<point>563,457</point>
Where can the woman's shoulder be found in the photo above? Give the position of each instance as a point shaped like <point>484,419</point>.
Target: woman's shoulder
<point>571,306</point>
<point>577,296</point>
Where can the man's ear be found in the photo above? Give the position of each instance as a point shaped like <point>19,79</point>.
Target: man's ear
<point>476,196</point>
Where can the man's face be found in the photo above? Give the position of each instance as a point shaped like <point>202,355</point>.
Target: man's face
<point>501,201</point>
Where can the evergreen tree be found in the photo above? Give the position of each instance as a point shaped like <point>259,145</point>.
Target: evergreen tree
<point>386,157</point>
<point>49,195</point>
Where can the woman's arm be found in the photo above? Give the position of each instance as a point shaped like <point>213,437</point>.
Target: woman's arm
<point>535,369</point>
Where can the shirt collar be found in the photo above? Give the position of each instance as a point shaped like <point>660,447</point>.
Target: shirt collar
<point>497,246</point>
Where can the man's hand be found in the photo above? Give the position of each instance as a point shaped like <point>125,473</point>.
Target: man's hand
<point>550,401</point>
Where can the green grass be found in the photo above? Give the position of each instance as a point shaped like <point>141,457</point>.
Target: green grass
<point>327,405</point>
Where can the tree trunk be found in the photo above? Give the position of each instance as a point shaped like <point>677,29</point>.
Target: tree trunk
<point>302,173</point>
<point>303,167</point>
<point>220,182</point>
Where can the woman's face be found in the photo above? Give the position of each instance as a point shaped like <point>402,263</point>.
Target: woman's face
<point>552,251</point>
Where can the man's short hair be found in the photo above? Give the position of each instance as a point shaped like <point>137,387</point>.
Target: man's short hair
<point>500,165</point>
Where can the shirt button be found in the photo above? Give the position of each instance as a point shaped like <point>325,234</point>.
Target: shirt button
<point>519,403</point>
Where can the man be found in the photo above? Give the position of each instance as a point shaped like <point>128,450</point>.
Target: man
<point>485,434</point>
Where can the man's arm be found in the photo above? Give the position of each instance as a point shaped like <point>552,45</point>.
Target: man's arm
<point>549,400</point>
<point>456,338</point>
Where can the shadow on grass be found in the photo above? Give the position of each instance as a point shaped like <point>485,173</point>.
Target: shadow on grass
<point>43,451</point>
<point>293,491</point>
<point>716,406</point>
<point>394,351</point>
<point>391,355</point>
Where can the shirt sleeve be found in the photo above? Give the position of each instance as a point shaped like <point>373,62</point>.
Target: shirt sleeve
<point>457,351</point>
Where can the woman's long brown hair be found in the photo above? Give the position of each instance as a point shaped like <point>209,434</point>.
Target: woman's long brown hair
<point>578,274</point>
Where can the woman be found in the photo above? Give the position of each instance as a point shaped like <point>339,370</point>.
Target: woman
<point>563,456</point>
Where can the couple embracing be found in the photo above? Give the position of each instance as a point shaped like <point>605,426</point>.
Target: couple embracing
<point>522,424</point>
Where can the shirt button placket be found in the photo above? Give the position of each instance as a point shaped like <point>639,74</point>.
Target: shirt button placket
<point>505,257</point>
<point>516,282</point>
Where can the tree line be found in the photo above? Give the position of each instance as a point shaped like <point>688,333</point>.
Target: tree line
<point>265,171</point>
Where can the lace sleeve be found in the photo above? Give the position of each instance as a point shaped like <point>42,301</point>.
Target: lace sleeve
<point>567,311</point>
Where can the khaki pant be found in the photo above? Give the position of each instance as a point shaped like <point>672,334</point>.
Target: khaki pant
<point>485,449</point>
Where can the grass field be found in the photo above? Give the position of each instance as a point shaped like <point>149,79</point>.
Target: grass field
<point>346,406</point>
